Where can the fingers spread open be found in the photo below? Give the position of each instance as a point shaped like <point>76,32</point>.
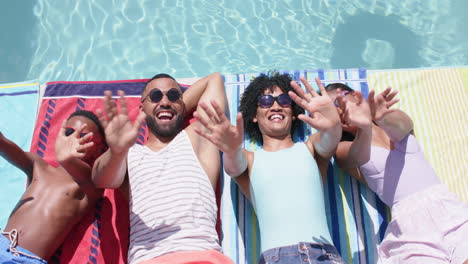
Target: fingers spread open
<point>202,119</point>
<point>139,120</point>
<point>298,100</point>
<point>359,97</point>
<point>308,87</point>
<point>81,148</point>
<point>321,87</point>
<point>221,116</point>
<point>386,91</point>
<point>86,138</point>
<point>107,102</point>
<point>391,95</point>
<point>123,103</point>
<point>341,102</point>
<point>79,130</point>
<point>299,91</point>
<point>203,134</point>
<point>392,110</point>
<point>311,120</point>
<point>210,113</point>
<point>370,98</point>
<point>79,154</point>
<point>240,123</point>
<point>391,103</point>
<point>109,105</point>
<point>101,117</point>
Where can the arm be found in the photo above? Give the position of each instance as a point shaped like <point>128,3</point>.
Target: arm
<point>356,113</point>
<point>228,138</point>
<point>206,89</point>
<point>394,122</point>
<point>16,156</point>
<point>323,117</point>
<point>110,168</point>
<point>235,163</point>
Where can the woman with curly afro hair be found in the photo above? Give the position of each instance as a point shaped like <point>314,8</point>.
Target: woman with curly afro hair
<point>283,180</point>
<point>249,102</point>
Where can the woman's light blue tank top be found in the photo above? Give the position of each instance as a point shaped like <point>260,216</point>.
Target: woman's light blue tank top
<point>287,195</point>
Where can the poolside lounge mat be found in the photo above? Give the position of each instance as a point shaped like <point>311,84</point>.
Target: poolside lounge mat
<point>18,109</point>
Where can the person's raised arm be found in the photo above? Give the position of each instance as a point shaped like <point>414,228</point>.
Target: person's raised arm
<point>16,156</point>
<point>110,168</point>
<point>351,155</point>
<point>207,88</point>
<point>228,138</point>
<point>323,117</point>
<point>396,123</point>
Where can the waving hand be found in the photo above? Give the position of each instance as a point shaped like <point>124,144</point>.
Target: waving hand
<point>380,104</point>
<point>72,146</point>
<point>355,113</point>
<point>121,134</point>
<point>219,130</point>
<point>323,114</point>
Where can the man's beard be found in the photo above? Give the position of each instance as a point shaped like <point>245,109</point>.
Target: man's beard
<point>165,131</point>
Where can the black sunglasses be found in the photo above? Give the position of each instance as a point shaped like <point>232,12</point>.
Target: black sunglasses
<point>156,95</point>
<point>267,100</point>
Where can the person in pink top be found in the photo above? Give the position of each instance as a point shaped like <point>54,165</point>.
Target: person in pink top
<point>429,223</point>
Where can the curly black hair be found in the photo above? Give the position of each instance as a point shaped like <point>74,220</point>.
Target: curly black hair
<point>91,116</point>
<point>249,101</point>
<point>345,136</point>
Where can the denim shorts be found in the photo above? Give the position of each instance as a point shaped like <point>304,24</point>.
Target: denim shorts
<point>6,256</point>
<point>304,253</point>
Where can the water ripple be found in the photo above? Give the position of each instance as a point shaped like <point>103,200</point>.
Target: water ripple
<point>112,39</point>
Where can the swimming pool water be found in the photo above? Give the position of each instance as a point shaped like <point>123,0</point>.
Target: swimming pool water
<point>112,39</point>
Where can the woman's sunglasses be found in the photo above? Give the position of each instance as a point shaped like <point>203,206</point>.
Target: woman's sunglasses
<point>267,101</point>
<point>156,95</point>
<point>71,130</point>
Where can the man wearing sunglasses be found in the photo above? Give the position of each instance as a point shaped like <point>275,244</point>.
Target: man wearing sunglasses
<point>283,179</point>
<point>56,198</point>
<point>170,180</point>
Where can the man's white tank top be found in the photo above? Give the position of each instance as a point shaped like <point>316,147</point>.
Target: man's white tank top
<point>172,203</point>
